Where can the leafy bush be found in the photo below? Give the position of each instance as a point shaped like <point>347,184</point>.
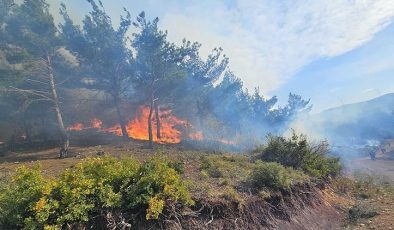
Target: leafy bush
<point>211,167</point>
<point>275,176</point>
<point>18,199</point>
<point>298,153</point>
<point>155,183</point>
<point>179,166</point>
<point>92,187</point>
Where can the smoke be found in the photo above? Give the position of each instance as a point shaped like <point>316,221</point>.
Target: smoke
<point>350,129</point>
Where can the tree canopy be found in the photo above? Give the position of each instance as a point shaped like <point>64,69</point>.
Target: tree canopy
<point>130,66</point>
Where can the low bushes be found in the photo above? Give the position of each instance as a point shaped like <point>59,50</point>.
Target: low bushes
<point>229,169</point>
<point>275,176</point>
<point>364,185</point>
<point>297,152</point>
<point>91,188</point>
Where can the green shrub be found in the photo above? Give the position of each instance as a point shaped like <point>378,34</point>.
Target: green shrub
<point>156,182</point>
<point>211,167</point>
<point>18,199</point>
<point>298,153</point>
<point>178,165</point>
<point>274,176</point>
<point>92,187</point>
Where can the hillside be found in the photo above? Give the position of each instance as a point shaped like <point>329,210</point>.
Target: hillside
<point>218,184</point>
<point>353,124</point>
<point>222,198</point>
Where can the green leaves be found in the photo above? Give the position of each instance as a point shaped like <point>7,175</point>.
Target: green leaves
<point>272,175</point>
<point>298,153</point>
<point>91,188</point>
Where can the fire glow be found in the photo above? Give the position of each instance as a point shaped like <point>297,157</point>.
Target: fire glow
<point>137,128</point>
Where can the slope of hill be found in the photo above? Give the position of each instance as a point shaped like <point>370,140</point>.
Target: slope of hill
<point>217,184</point>
<point>354,124</point>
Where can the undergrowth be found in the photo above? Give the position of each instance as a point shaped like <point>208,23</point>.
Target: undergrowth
<point>363,187</point>
<point>275,176</point>
<point>299,153</point>
<point>94,187</point>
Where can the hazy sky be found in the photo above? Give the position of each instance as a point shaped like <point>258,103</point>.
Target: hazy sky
<point>332,51</point>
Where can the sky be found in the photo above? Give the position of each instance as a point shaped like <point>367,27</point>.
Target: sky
<point>334,52</point>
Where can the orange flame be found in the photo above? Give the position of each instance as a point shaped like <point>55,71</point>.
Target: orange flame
<point>76,127</point>
<point>138,127</point>
<point>96,123</point>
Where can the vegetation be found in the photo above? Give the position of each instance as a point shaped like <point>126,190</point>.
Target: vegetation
<point>105,59</point>
<point>94,187</point>
<point>48,71</point>
<point>299,153</point>
<point>365,188</point>
<point>361,211</point>
<point>31,41</point>
<point>364,185</point>
<point>272,175</point>
<point>231,170</point>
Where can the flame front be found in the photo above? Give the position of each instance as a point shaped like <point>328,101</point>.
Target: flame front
<point>138,127</point>
<point>96,123</point>
<point>76,127</point>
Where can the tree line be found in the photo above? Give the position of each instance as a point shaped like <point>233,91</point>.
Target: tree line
<point>42,65</point>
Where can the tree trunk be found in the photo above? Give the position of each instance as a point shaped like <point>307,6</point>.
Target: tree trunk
<point>64,136</point>
<point>150,124</point>
<point>122,121</point>
<point>158,132</point>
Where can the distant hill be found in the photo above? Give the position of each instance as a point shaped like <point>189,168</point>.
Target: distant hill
<point>357,123</point>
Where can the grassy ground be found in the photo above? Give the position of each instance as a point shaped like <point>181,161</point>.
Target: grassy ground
<point>370,200</point>
<point>225,173</point>
<point>222,175</point>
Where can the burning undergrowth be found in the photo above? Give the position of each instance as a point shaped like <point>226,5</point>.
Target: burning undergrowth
<point>166,128</point>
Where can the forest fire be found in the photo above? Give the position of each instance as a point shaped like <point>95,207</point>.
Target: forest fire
<point>170,127</point>
<point>96,123</point>
<point>138,127</point>
<point>76,127</point>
